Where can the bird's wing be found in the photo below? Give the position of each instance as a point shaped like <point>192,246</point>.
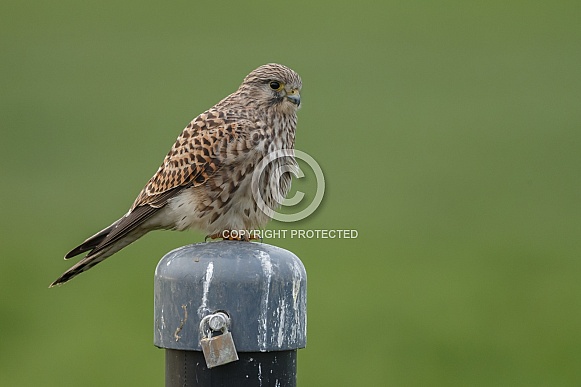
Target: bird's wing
<point>203,148</point>
<point>198,153</point>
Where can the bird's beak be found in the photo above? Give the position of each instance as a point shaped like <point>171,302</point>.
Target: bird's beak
<point>294,97</point>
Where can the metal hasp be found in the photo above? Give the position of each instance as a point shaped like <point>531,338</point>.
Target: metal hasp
<point>260,290</point>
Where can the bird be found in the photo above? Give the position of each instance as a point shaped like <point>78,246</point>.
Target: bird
<point>205,181</point>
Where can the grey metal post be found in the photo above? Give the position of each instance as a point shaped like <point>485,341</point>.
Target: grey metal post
<point>262,289</point>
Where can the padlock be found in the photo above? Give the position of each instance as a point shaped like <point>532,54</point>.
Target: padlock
<point>219,350</point>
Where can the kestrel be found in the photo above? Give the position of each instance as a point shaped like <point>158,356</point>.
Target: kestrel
<point>204,182</point>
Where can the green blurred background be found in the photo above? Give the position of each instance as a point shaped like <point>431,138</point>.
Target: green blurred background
<point>449,134</point>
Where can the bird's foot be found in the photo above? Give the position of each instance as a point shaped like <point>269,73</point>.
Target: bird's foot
<point>212,237</point>
<point>226,235</point>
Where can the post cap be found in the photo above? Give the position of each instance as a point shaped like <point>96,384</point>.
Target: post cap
<point>262,288</point>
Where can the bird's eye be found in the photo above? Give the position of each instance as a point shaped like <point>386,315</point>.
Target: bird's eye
<point>274,85</point>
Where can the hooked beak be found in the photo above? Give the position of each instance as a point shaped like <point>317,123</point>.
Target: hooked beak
<point>294,97</point>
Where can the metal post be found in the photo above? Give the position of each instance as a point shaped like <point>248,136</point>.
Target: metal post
<point>261,291</point>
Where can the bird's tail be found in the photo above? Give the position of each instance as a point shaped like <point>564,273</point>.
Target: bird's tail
<point>99,250</point>
<point>83,265</point>
<point>132,226</point>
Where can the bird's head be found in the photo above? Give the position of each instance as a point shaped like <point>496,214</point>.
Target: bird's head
<point>275,86</point>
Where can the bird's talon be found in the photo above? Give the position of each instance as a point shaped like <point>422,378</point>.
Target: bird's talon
<point>228,236</point>
<point>255,237</point>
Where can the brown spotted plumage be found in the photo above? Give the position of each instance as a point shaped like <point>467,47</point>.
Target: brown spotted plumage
<point>204,182</point>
